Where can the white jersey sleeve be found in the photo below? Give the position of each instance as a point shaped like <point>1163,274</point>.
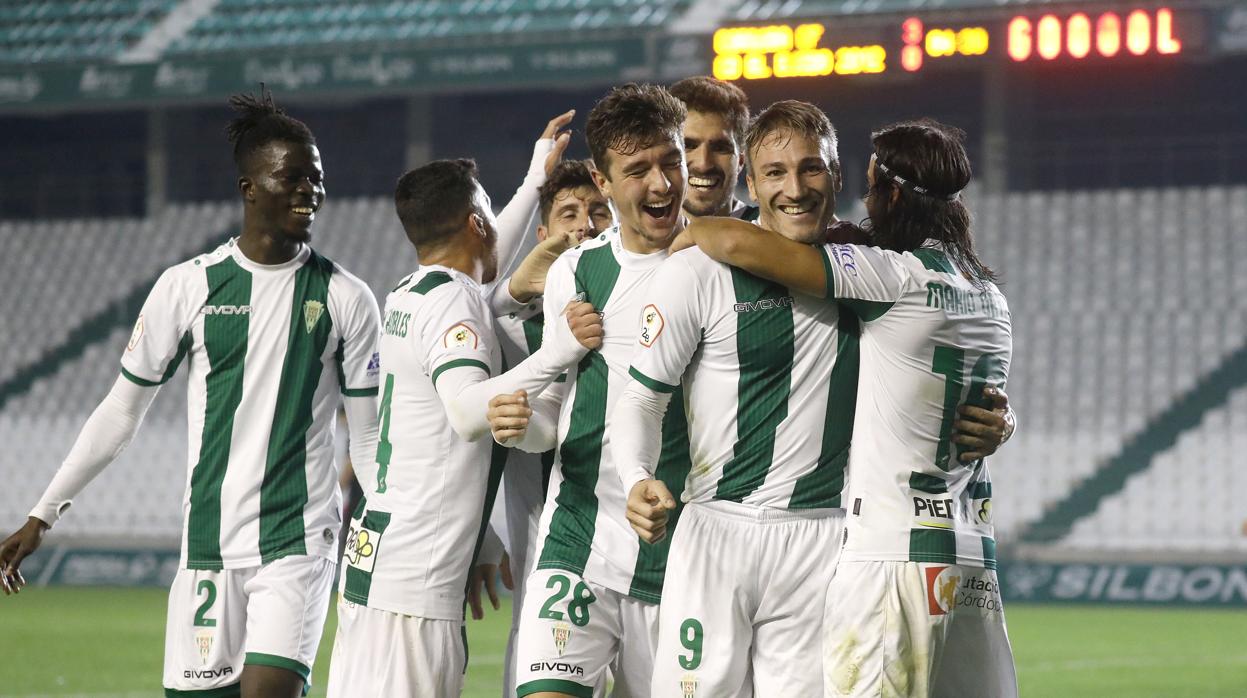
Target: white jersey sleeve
<point>560,290</point>
<point>671,326</point>
<point>359,364</point>
<point>456,332</point>
<point>161,336</point>
<point>857,272</point>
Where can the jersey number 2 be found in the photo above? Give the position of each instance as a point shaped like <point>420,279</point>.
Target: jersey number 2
<point>201,616</point>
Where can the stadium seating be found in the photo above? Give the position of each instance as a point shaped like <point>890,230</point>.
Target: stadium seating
<point>106,258</point>
<point>74,30</point>
<point>1122,300</point>
<point>247,24</point>
<point>1189,500</point>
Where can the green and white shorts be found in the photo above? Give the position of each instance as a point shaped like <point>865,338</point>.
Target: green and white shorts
<point>573,631</point>
<point>382,653</point>
<point>220,620</point>
<point>742,602</point>
<point>916,630</point>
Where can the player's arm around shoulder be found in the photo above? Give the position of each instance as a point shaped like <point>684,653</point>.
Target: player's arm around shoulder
<point>761,252</point>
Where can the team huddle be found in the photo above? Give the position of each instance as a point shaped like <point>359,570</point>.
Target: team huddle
<point>665,390</point>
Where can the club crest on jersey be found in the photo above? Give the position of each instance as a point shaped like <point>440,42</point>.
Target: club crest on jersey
<point>361,545</point>
<point>688,685</point>
<point>203,640</point>
<point>942,582</point>
<point>562,633</point>
<point>459,337</point>
<point>312,310</point>
<point>136,335</point>
<point>652,323</point>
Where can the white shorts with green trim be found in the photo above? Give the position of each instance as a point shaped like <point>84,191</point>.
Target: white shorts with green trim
<point>742,601</point>
<point>219,620</point>
<point>916,630</point>
<point>382,653</point>
<point>573,631</point>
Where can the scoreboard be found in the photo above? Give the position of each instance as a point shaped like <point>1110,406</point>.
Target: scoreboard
<point>914,44</point>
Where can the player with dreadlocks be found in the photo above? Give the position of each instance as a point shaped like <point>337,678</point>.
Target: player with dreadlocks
<point>276,337</point>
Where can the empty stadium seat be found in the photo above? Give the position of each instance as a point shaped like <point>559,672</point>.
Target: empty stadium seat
<point>74,30</point>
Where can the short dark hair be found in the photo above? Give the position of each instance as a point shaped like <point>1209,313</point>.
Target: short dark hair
<point>930,158</point>
<point>632,117</point>
<point>569,174</point>
<point>260,121</point>
<point>708,95</point>
<point>795,117</point>
<point>433,200</point>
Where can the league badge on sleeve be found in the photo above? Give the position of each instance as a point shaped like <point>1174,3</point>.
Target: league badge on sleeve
<point>651,325</point>
<point>460,337</point>
<point>136,335</point>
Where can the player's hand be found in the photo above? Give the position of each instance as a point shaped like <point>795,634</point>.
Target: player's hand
<point>485,574</point>
<point>682,241</point>
<point>847,233</point>
<point>508,417</point>
<point>980,431</point>
<point>648,505</point>
<point>585,323</point>
<point>504,570</point>
<point>554,130</point>
<point>14,549</point>
<point>529,279</point>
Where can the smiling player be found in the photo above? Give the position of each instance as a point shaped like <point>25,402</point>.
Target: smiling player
<point>276,337</point>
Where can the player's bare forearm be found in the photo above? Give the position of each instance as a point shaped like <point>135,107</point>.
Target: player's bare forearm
<point>761,252</point>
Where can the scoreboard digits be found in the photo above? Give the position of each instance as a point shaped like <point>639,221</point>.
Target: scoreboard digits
<point>911,44</point>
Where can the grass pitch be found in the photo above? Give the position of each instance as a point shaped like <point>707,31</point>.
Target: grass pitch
<point>101,643</point>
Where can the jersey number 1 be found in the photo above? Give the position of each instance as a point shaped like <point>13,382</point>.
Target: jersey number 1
<point>950,362</point>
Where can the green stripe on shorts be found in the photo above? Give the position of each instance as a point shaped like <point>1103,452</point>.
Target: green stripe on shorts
<point>233,690</point>
<point>571,688</point>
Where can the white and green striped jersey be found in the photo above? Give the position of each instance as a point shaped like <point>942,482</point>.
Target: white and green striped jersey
<point>412,541</point>
<point>584,527</point>
<point>769,381</point>
<point>527,475</point>
<point>931,341</point>
<point>271,349</point>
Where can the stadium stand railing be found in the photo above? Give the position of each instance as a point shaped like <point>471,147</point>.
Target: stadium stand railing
<point>271,24</point>
<point>73,30</point>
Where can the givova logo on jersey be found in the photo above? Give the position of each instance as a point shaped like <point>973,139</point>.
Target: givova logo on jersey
<point>361,548</point>
<point>225,310</point>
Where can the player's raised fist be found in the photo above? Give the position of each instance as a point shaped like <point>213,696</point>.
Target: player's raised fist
<point>529,279</point>
<point>585,323</point>
<point>554,130</point>
<point>508,417</point>
<point>14,549</point>
<point>648,505</point>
